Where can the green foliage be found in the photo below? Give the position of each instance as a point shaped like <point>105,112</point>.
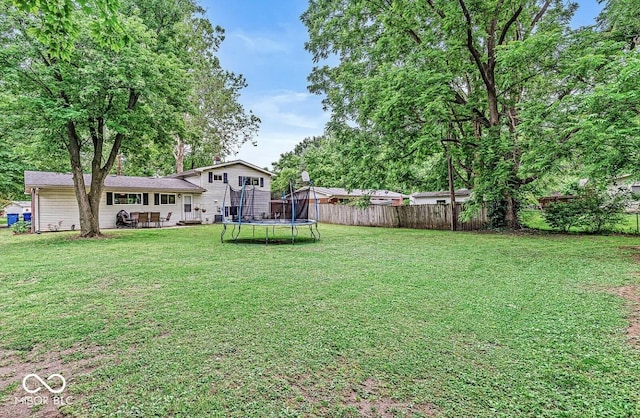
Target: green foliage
<point>361,202</point>
<point>563,215</point>
<point>58,23</point>
<point>316,155</point>
<point>21,227</point>
<point>593,210</point>
<point>126,95</point>
<point>415,81</point>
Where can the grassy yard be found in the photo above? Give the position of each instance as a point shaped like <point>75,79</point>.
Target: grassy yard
<point>367,321</point>
<point>630,223</point>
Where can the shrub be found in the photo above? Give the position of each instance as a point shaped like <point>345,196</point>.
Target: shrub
<point>593,210</point>
<point>21,227</point>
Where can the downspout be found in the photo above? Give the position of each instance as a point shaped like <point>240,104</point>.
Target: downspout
<point>35,210</point>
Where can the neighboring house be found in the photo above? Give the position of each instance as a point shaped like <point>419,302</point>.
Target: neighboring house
<point>627,183</point>
<point>20,207</point>
<point>333,195</point>
<point>193,196</point>
<point>441,197</point>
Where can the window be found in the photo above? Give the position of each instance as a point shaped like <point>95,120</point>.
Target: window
<point>217,177</point>
<point>164,199</point>
<point>441,202</point>
<point>250,181</point>
<point>167,199</point>
<point>127,198</point>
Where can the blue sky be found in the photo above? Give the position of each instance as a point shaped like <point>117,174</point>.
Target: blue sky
<point>265,43</point>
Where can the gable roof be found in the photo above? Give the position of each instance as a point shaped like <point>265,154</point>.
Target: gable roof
<point>197,171</point>
<point>112,182</point>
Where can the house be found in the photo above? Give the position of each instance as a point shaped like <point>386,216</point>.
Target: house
<point>333,195</point>
<point>18,206</point>
<point>627,183</point>
<point>194,196</point>
<point>214,179</point>
<point>16,210</point>
<point>441,197</point>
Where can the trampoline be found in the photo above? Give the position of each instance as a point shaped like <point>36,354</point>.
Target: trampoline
<point>251,206</point>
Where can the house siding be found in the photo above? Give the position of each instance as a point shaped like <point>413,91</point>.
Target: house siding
<point>212,199</point>
<point>108,212</point>
<point>433,200</point>
<point>57,208</point>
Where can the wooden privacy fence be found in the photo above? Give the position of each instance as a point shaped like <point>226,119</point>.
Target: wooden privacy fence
<point>416,216</point>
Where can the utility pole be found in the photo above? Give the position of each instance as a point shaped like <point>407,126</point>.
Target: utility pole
<point>452,189</point>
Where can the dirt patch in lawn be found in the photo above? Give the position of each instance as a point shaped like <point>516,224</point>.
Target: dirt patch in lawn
<point>17,369</point>
<point>631,294</point>
<point>370,398</point>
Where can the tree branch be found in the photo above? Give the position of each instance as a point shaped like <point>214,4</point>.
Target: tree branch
<point>475,54</point>
<point>433,7</point>
<point>511,21</point>
<point>539,15</point>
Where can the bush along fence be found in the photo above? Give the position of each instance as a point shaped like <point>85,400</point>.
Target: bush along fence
<point>417,216</point>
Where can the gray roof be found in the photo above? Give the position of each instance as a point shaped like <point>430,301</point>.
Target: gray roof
<point>442,193</point>
<point>112,182</point>
<point>340,192</point>
<point>197,171</point>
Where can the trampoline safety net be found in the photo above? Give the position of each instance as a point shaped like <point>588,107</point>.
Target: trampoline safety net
<point>250,204</point>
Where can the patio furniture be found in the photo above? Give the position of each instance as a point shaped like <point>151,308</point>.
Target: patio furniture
<point>165,219</point>
<point>134,218</point>
<point>143,219</point>
<point>155,219</point>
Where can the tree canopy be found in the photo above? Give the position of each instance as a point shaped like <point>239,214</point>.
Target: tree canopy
<point>505,87</point>
<point>96,101</point>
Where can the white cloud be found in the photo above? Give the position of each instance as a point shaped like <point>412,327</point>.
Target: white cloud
<point>258,43</point>
<point>290,108</point>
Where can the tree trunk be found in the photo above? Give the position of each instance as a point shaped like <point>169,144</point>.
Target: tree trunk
<point>88,206</point>
<point>178,153</point>
<point>513,207</point>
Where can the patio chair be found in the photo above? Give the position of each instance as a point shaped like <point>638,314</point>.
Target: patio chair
<point>134,218</point>
<point>165,219</point>
<point>143,219</point>
<point>155,219</point>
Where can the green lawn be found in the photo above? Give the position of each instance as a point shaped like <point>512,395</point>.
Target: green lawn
<point>630,223</point>
<point>171,322</point>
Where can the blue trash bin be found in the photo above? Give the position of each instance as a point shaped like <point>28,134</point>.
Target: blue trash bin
<point>12,218</point>
<point>26,217</point>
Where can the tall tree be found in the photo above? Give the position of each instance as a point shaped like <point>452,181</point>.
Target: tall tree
<point>215,124</point>
<point>59,28</point>
<point>408,69</point>
<point>94,101</point>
